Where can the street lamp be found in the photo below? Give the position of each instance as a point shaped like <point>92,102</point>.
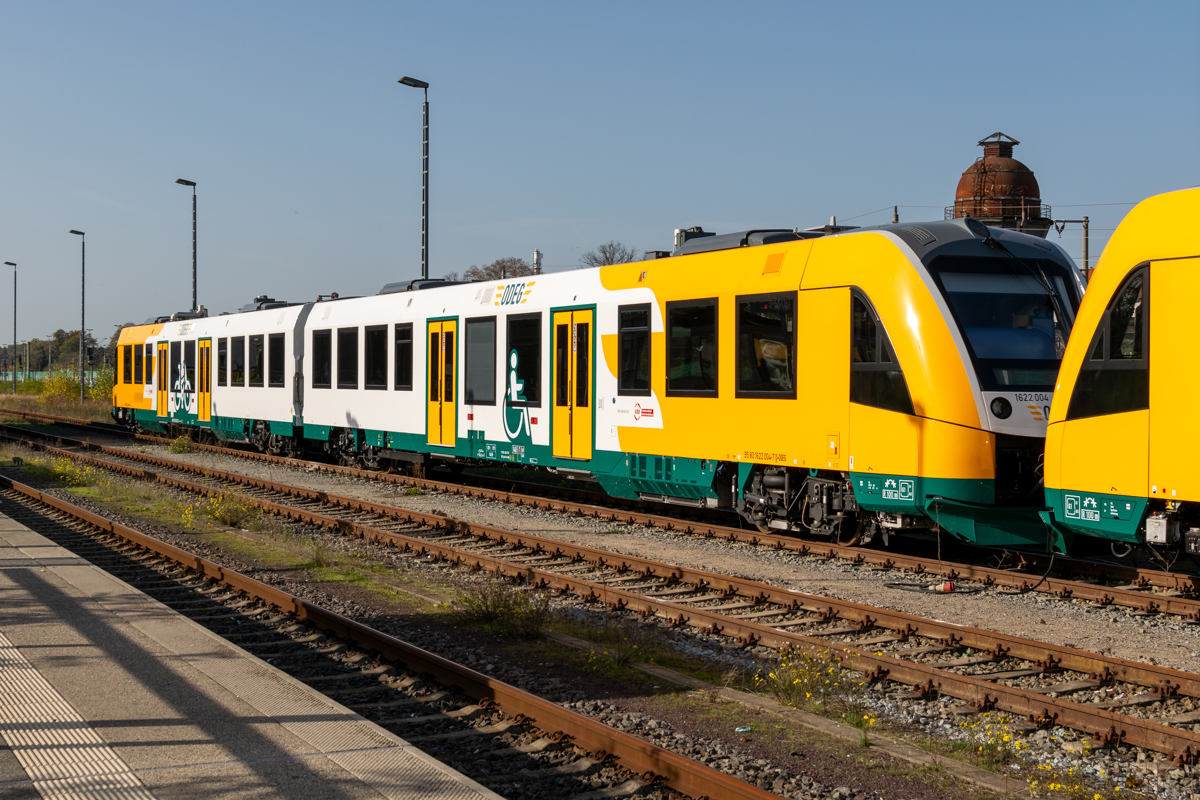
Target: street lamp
<point>14,266</point>
<point>416,84</point>
<point>82,297</point>
<point>192,184</point>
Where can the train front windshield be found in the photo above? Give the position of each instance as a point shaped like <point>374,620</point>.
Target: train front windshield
<point>1008,317</point>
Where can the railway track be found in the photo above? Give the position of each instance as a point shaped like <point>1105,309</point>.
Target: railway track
<point>511,741</point>
<point>1146,591</point>
<point>1116,701</point>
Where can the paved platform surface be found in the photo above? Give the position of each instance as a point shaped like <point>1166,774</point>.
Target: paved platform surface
<point>105,693</point>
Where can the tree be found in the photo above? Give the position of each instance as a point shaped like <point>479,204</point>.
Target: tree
<point>611,252</point>
<point>499,269</point>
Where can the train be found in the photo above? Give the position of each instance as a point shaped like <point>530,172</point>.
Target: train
<point>838,382</point>
<point>1123,433</point>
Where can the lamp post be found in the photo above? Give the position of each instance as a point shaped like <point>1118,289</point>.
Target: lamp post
<point>14,266</point>
<point>192,184</point>
<point>416,84</point>
<point>82,298</point>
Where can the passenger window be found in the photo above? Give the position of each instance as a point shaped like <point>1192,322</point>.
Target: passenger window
<point>176,358</point>
<point>127,364</point>
<point>255,361</point>
<point>523,366</point>
<point>448,371</point>
<point>434,342</point>
<point>583,346</point>
<point>404,357</point>
<point>875,377</point>
<point>480,371</point>
<point>633,350</point>
<point>189,350</point>
<point>766,345</point>
<point>222,360</point>
<point>276,360</point>
<point>322,359</point>
<point>1116,377</point>
<point>692,348</point>
<point>562,385</point>
<point>148,358</point>
<point>237,361</point>
<point>347,358</point>
<point>375,356</point>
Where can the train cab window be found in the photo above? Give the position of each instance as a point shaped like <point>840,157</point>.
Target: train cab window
<point>523,364</point>
<point>148,361</point>
<point>479,378</point>
<point>633,350</point>
<point>237,361</point>
<point>276,360</point>
<point>1115,377</point>
<point>127,364</point>
<point>404,357</point>
<point>347,358</point>
<point>692,348</point>
<point>322,359</point>
<point>766,345</point>
<point>375,356</point>
<point>222,360</point>
<point>875,375</point>
<point>176,366</point>
<point>254,361</point>
<point>189,359</point>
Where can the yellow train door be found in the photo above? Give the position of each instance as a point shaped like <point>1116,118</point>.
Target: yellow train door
<point>204,410</point>
<point>1174,383</point>
<point>572,417</point>
<point>160,363</point>
<point>440,369</point>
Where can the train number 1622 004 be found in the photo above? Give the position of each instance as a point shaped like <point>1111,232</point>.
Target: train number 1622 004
<point>1034,397</point>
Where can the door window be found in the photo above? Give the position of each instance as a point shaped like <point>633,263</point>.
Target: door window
<point>875,375</point>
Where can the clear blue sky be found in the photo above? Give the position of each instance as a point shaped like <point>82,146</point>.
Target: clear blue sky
<point>556,125</point>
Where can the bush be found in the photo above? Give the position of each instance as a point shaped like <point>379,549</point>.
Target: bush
<point>61,384</point>
<point>233,510</point>
<point>505,609</point>
<point>802,678</point>
<point>102,388</point>
<point>181,444</point>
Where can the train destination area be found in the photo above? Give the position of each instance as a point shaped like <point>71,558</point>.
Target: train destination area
<point>821,445</point>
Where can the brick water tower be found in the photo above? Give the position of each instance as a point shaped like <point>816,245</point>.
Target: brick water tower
<point>1000,191</point>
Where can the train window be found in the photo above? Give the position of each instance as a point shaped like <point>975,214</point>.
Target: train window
<point>766,345</point>
<point>523,366</point>
<point>237,361</point>
<point>135,354</point>
<point>692,348</point>
<point>375,357</point>
<point>434,342</point>
<point>875,375</point>
<point>1115,378</point>
<point>322,363</point>
<point>254,361</point>
<point>562,381</point>
<point>448,368</point>
<point>581,364</point>
<point>127,364</point>
<point>276,360</point>
<point>222,360</point>
<point>633,350</point>
<point>176,359</point>
<point>189,360</point>
<point>148,363</point>
<point>404,357</point>
<point>347,358</point>
<point>480,372</point>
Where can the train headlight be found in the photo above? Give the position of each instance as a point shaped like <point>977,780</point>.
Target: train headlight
<point>1001,408</point>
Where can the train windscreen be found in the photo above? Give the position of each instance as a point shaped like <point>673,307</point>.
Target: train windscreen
<point>1015,315</point>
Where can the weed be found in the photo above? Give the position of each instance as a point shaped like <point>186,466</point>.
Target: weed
<point>414,491</point>
<point>181,444</point>
<point>808,678</point>
<point>320,555</point>
<point>505,609</point>
<point>713,692</point>
<point>233,510</point>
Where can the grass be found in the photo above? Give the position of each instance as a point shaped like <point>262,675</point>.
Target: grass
<point>505,609</point>
<point>93,410</point>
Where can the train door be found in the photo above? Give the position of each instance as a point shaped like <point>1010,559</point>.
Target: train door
<point>204,381</point>
<point>1174,383</point>
<point>160,363</point>
<point>440,369</point>
<point>572,418</point>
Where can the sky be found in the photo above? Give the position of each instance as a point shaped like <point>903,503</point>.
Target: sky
<point>556,126</point>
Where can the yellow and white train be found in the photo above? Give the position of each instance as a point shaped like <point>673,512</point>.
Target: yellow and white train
<point>838,382</point>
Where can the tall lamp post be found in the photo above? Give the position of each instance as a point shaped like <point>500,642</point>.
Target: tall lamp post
<point>82,298</point>
<point>14,266</point>
<point>416,84</point>
<point>192,184</point>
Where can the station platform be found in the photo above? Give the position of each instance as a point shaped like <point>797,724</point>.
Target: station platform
<point>106,693</point>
